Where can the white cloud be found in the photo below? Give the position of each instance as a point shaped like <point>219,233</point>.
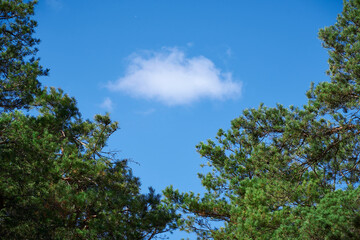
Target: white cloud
<point>170,77</point>
<point>107,104</point>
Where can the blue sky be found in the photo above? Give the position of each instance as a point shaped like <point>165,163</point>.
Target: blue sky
<point>173,72</point>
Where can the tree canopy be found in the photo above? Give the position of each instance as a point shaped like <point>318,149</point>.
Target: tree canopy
<point>288,173</point>
<point>57,181</point>
<point>277,173</point>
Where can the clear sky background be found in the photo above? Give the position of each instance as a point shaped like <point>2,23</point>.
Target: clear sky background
<point>173,72</point>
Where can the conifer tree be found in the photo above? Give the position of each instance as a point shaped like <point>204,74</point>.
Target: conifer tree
<point>288,173</point>
<point>19,68</point>
<point>56,179</point>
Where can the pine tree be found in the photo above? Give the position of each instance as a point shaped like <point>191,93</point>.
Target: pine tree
<point>288,173</point>
<point>19,69</point>
<point>56,179</point>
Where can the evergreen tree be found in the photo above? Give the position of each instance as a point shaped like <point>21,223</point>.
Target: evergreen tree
<point>56,180</point>
<point>19,69</point>
<point>288,173</point>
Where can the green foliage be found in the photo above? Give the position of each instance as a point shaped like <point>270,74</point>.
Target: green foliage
<point>56,180</point>
<point>19,69</point>
<point>288,173</point>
